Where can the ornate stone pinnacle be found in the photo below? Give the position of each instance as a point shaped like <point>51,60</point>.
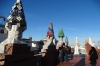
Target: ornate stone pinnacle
<point>18,1</point>
<point>87,40</point>
<point>66,41</point>
<point>50,32</point>
<point>15,25</point>
<point>76,40</point>
<point>61,33</point>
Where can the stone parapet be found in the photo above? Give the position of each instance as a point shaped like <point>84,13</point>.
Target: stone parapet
<point>16,48</point>
<point>18,55</point>
<point>50,57</point>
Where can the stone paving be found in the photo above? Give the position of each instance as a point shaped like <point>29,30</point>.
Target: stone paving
<point>79,61</point>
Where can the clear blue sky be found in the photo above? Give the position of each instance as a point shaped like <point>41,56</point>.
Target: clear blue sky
<point>78,18</point>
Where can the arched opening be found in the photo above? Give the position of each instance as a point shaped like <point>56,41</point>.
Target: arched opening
<point>2,21</point>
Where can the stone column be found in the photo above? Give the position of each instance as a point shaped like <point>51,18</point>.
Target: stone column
<point>59,42</point>
<point>76,48</point>
<point>60,39</point>
<point>54,41</point>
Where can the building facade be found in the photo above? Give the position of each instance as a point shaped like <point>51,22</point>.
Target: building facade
<point>3,33</point>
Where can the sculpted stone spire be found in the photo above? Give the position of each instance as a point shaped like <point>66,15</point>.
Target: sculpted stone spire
<point>50,38</point>
<point>76,41</point>
<point>76,48</point>
<point>66,41</point>
<point>61,33</point>
<point>50,32</point>
<point>15,25</point>
<point>90,41</point>
<point>61,36</point>
<point>86,41</point>
<point>18,1</point>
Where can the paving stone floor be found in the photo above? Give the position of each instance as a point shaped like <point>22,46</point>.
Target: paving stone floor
<point>79,61</point>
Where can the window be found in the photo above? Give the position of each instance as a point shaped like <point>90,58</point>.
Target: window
<point>2,31</point>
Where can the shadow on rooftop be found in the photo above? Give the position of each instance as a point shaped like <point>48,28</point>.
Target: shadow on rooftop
<point>81,62</point>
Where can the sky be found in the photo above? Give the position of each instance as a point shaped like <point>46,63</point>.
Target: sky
<point>77,18</point>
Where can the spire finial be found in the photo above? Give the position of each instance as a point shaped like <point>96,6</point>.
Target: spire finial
<point>50,32</point>
<point>18,1</point>
<point>61,33</point>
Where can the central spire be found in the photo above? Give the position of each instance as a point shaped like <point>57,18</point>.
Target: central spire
<point>15,25</point>
<point>17,15</point>
<point>18,1</point>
